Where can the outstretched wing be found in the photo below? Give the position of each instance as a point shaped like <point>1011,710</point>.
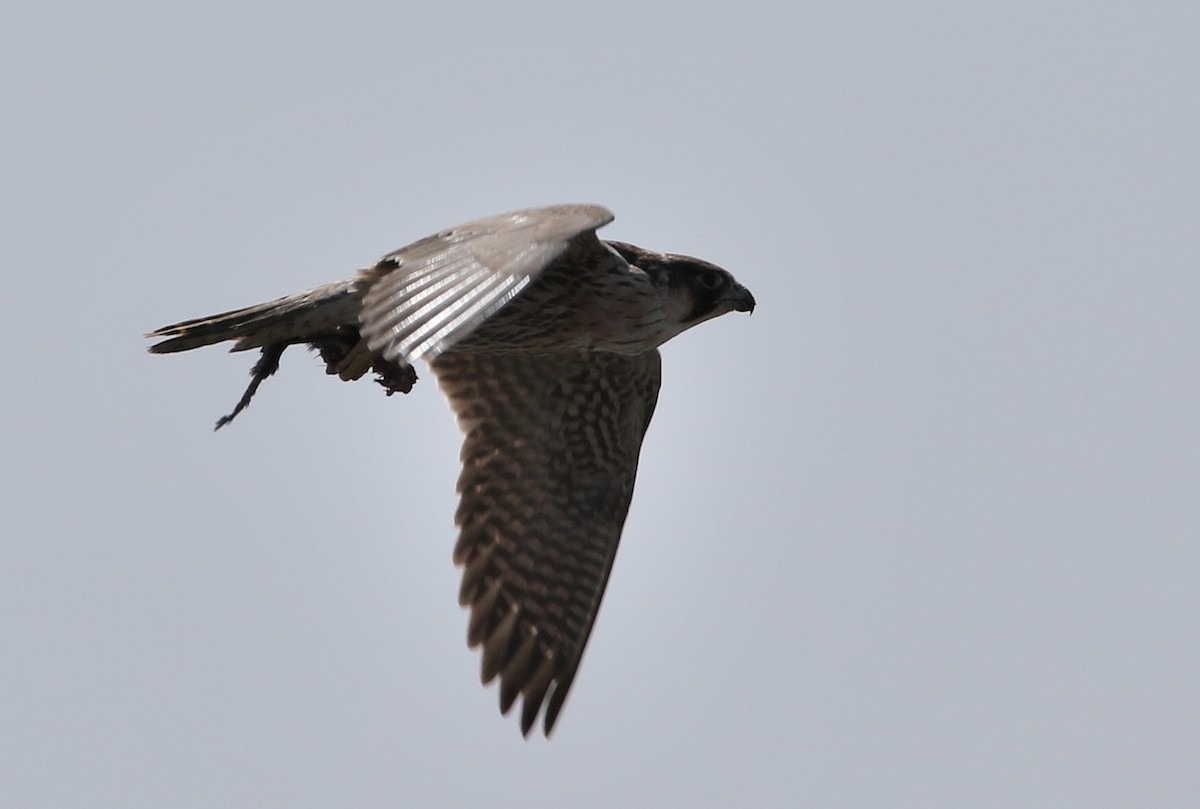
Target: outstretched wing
<point>549,462</point>
<point>423,298</point>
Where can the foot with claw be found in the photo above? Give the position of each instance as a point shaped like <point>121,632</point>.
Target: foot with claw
<point>344,353</point>
<point>395,377</point>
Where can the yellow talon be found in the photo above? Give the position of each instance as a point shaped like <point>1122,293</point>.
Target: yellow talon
<point>356,362</point>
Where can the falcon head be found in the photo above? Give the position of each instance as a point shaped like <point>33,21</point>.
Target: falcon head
<point>693,290</point>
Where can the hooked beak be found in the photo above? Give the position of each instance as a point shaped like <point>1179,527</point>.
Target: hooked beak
<point>740,299</point>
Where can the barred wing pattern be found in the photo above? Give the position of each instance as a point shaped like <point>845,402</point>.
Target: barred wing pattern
<point>549,462</point>
<point>541,336</point>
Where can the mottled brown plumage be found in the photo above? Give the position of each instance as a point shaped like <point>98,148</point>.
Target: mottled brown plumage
<point>544,340</point>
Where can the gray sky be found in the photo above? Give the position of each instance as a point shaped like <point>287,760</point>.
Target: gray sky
<point>921,532</point>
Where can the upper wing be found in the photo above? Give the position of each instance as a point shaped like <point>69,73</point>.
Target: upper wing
<point>423,298</point>
<point>549,461</point>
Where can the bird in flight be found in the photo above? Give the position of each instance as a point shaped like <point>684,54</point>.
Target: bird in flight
<point>545,339</point>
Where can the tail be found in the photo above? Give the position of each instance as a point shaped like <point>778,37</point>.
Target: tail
<point>325,318</point>
<point>290,320</point>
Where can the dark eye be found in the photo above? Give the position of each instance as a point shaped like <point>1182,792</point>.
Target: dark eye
<point>712,280</point>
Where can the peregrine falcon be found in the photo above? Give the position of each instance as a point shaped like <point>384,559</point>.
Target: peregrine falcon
<point>545,341</point>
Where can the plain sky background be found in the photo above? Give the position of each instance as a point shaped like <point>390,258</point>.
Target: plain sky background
<point>922,532</point>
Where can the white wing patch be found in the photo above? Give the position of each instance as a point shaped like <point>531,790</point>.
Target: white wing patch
<point>435,307</point>
<point>424,298</point>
